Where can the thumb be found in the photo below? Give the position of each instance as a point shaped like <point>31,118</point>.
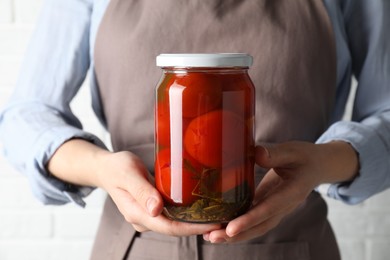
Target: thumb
<point>143,191</point>
<point>276,155</point>
<point>146,195</point>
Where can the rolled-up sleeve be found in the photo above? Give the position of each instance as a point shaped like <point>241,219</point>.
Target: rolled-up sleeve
<point>367,26</point>
<point>38,119</point>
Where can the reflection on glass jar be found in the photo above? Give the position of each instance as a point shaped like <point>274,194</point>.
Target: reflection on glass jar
<point>204,120</point>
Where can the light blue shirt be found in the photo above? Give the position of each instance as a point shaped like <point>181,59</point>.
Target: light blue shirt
<point>38,119</point>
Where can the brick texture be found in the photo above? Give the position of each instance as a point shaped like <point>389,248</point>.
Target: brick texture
<point>29,230</point>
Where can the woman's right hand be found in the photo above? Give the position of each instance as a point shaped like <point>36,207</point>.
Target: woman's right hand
<point>126,179</point>
<point>124,176</point>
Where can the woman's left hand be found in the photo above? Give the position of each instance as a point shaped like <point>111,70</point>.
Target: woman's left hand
<point>296,168</point>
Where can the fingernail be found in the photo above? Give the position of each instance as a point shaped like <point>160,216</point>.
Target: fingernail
<point>206,237</point>
<point>151,205</point>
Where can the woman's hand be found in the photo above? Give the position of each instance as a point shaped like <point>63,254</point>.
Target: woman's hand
<point>296,168</point>
<point>124,176</point>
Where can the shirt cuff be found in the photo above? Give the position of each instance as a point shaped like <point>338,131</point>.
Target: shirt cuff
<point>374,168</point>
<point>46,187</point>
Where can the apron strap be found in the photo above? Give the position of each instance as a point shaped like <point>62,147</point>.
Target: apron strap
<point>188,248</point>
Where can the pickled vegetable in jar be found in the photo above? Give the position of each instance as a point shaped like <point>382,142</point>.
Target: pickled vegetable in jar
<point>204,136</point>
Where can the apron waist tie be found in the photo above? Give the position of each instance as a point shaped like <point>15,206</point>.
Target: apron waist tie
<point>189,248</point>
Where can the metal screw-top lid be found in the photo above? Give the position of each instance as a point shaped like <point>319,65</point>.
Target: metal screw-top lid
<point>204,60</point>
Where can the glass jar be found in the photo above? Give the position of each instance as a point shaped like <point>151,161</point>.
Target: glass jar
<point>204,141</point>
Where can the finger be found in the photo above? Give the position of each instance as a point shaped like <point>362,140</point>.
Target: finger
<point>277,155</point>
<point>144,192</point>
<point>126,204</point>
<point>170,227</point>
<point>130,209</point>
<point>257,230</point>
<point>140,228</point>
<point>220,236</point>
<point>136,215</point>
<point>275,203</point>
<point>163,225</point>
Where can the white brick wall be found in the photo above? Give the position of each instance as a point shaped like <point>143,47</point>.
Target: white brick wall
<point>29,230</point>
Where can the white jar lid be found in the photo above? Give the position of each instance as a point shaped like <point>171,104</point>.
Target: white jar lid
<point>204,60</point>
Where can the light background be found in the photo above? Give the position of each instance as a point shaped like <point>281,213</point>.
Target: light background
<point>29,230</point>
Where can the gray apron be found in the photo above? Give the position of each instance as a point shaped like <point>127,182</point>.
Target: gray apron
<point>294,73</point>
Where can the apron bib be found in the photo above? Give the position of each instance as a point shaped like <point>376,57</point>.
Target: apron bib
<point>294,73</point>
